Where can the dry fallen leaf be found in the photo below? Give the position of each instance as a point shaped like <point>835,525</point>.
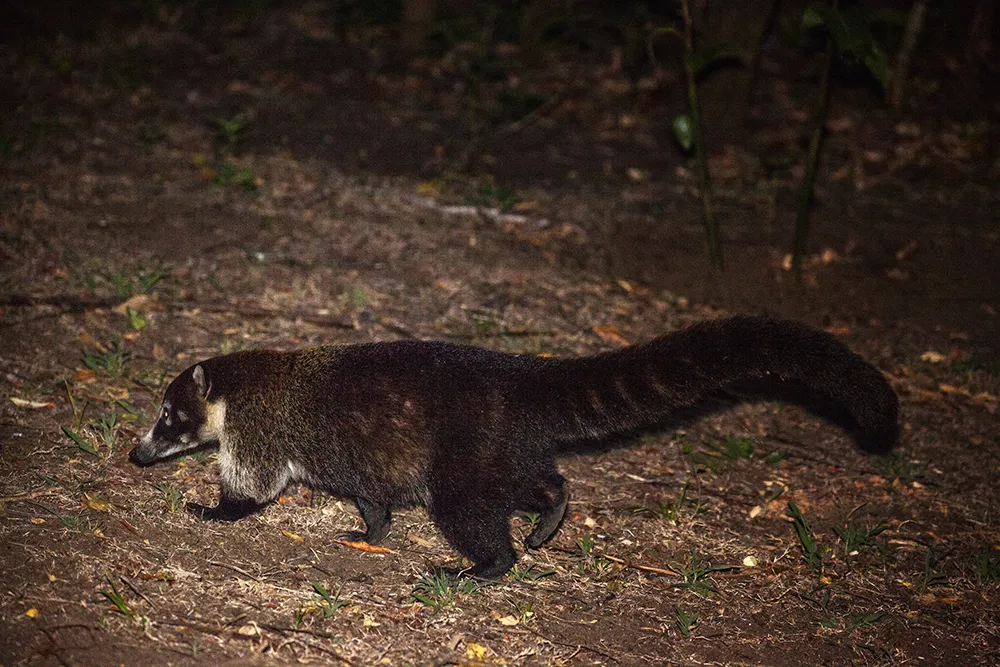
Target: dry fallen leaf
<point>85,375</point>
<point>137,302</point>
<point>364,546</point>
<point>932,357</point>
<point>294,536</point>
<point>31,613</point>
<point>95,503</point>
<point>31,405</point>
<point>609,334</point>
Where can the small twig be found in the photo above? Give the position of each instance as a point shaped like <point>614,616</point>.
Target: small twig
<point>136,590</point>
<point>645,568</point>
<point>258,312</point>
<point>72,302</point>
<point>234,569</point>
<point>29,494</point>
<point>576,646</point>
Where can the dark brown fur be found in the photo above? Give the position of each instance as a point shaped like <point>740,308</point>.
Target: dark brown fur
<point>473,433</point>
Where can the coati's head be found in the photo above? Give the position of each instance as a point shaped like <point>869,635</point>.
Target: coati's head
<point>188,419</point>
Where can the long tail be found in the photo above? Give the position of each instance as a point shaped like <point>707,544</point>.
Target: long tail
<point>636,387</point>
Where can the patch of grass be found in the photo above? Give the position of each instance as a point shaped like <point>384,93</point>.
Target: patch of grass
<point>329,604</point>
<point>440,589</point>
<point>111,359</point>
<point>359,298</point>
<point>854,538</point>
<point>115,597</point>
<point>685,622</point>
<point>523,611</point>
<point>988,566</point>
<point>807,540</point>
<point>230,174</point>
<point>173,498</point>
<point>533,572</point>
<point>591,558</point>
<point>733,449</point>
<point>930,576</point>
<point>230,132</point>
<point>81,442</point>
<point>108,431</point>
<point>868,619</point>
<point>488,195</point>
<point>884,654</point>
<point>895,465</point>
<point>694,576</point>
<point>671,510</point>
<point>136,320</point>
<point>149,134</point>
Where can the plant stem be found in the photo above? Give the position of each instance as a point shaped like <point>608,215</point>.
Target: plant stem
<point>704,178</point>
<point>812,166</point>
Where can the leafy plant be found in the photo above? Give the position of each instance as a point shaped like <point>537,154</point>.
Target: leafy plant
<point>988,566</point>
<point>807,540</point>
<point>81,442</point>
<point>489,195</point>
<point>173,498</point>
<point>670,510</point>
<point>530,573</point>
<point>136,320</point>
<point>229,173</point>
<point>329,604</point>
<point>440,589</point>
<point>855,538</point>
<point>231,131</point>
<point>685,622</point>
<point>112,359</point>
<point>694,576</point>
<point>115,597</point>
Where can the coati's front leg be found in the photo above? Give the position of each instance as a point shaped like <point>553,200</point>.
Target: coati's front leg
<point>377,518</point>
<point>231,506</point>
<point>228,509</point>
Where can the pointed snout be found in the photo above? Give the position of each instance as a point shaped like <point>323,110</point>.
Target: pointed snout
<point>143,453</point>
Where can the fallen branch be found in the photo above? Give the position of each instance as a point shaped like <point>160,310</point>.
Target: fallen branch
<point>29,494</point>
<point>73,303</point>
<point>645,568</point>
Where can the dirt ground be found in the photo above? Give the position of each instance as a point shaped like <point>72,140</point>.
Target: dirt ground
<point>166,196</point>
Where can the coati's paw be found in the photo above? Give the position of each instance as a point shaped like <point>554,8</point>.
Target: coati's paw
<point>224,511</point>
<point>352,536</point>
<point>198,510</point>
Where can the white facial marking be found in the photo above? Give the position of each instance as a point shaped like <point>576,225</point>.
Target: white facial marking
<point>148,438</point>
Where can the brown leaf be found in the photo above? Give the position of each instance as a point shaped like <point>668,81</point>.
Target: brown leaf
<point>609,334</point>
<point>85,375</point>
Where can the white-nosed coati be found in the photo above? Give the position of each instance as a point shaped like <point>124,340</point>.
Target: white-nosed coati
<point>472,433</point>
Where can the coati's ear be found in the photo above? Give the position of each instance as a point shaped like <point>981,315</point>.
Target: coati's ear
<point>201,381</point>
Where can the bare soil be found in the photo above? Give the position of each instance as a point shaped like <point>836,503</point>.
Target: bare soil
<point>350,224</point>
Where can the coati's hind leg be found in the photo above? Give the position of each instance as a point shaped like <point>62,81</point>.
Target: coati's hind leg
<point>376,517</point>
<point>474,516</point>
<point>549,499</point>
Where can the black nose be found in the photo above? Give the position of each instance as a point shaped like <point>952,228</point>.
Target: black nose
<point>136,457</point>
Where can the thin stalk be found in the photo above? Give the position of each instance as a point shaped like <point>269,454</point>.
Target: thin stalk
<point>704,178</point>
<point>812,166</point>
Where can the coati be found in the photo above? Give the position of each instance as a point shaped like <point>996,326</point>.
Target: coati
<point>473,433</point>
